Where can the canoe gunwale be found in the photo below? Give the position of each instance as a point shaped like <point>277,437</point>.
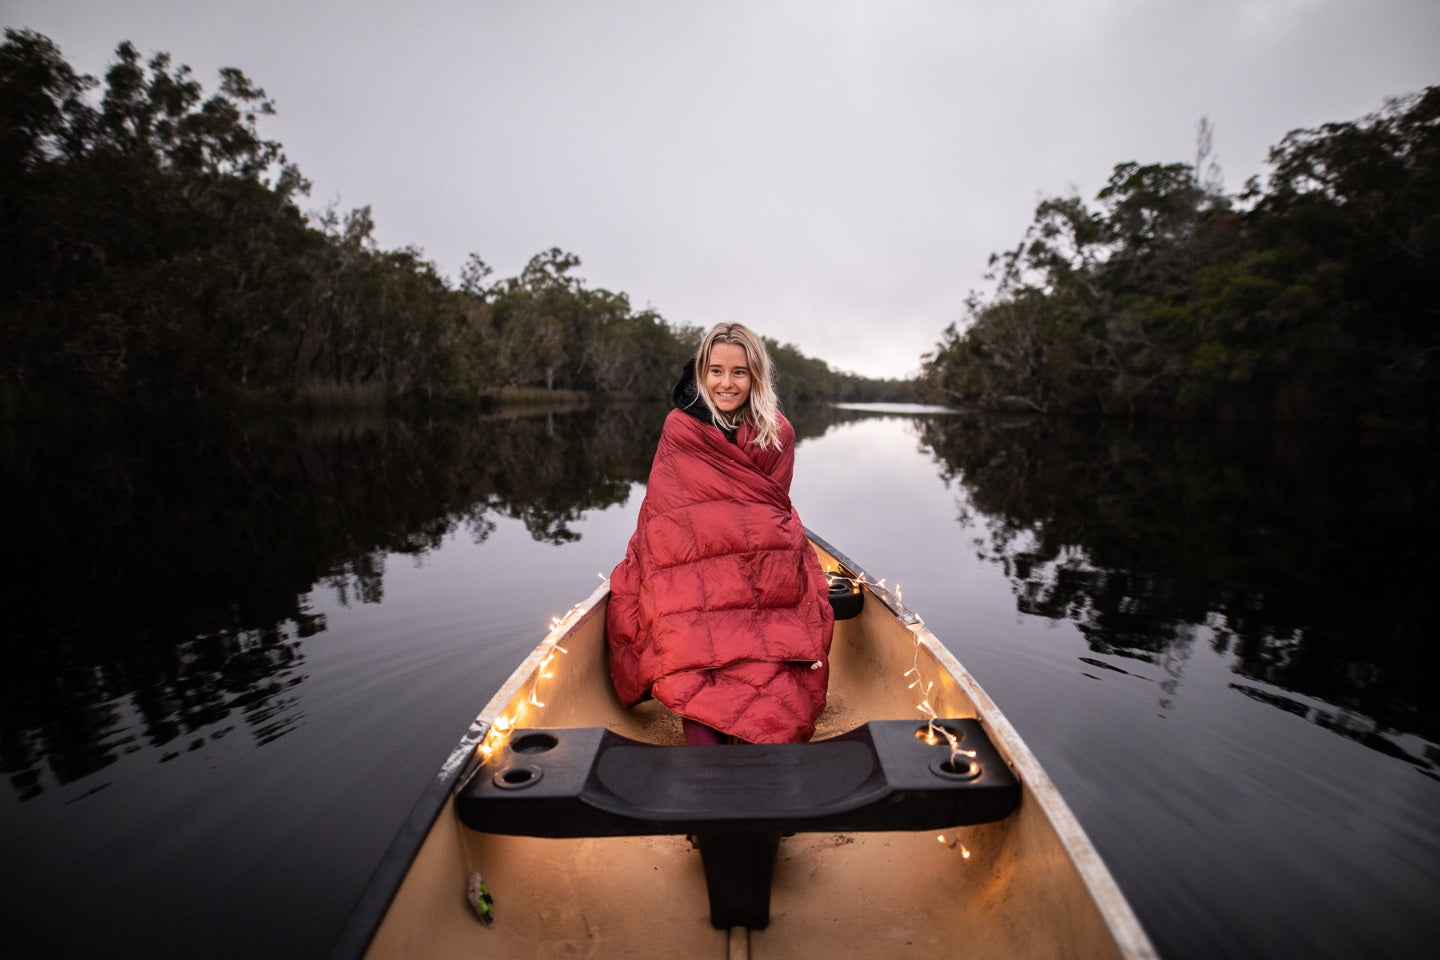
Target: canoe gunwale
<point>465,756</point>
<point>395,862</point>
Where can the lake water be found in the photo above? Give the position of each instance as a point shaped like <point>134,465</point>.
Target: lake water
<point>234,660</point>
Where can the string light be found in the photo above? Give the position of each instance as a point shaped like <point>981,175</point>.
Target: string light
<point>951,843</point>
<point>934,730</point>
<point>499,733</point>
<point>501,728</point>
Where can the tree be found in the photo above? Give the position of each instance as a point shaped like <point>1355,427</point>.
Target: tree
<point>134,220</point>
<point>152,255</point>
<point>1320,300</point>
<point>43,112</point>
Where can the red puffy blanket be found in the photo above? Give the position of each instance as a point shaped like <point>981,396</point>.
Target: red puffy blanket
<point>720,609</point>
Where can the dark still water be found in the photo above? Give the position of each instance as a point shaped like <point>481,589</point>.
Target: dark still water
<point>233,662</point>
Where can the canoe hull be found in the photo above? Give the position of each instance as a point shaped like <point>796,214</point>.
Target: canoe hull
<point>1029,885</point>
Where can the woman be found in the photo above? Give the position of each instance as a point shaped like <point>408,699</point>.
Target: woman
<point>720,609</point>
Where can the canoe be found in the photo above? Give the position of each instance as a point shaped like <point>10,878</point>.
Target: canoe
<point>915,823</point>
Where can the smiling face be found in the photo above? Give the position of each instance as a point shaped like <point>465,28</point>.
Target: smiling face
<point>727,377</point>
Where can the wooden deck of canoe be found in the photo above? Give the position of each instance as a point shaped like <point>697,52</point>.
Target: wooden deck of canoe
<point>1029,885</point>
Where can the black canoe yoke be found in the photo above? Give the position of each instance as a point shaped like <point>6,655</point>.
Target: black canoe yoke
<point>738,800</point>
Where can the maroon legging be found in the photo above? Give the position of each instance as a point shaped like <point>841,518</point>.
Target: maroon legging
<point>698,734</point>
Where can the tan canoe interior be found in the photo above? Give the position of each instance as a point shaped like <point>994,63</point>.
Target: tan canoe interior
<point>892,895</point>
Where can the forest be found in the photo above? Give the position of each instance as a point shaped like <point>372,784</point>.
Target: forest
<point>154,257</point>
<point>1311,296</point>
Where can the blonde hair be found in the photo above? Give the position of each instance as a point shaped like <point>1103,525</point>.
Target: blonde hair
<point>762,407</point>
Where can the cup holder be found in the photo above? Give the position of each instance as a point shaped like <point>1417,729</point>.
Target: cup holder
<point>958,767</point>
<point>517,778</point>
<point>533,743</point>
<point>846,597</point>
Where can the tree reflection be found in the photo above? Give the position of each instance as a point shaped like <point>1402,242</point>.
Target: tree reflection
<point>159,600</point>
<point>1307,555</point>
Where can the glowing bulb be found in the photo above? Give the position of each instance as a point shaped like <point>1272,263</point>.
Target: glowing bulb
<point>950,843</point>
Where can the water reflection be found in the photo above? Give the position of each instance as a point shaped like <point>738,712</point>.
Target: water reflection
<point>160,599</point>
<point>160,602</point>
<point>1307,556</point>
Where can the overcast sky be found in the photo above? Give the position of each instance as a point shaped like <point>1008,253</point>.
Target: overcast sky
<point>834,173</point>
